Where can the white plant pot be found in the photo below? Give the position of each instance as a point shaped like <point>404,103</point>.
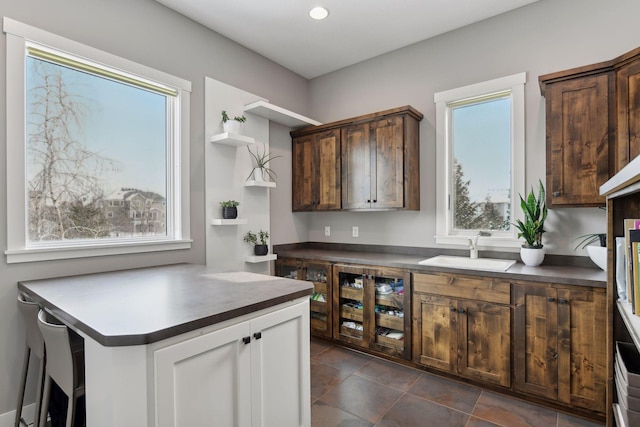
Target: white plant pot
<point>598,255</point>
<point>532,257</point>
<point>258,175</point>
<point>232,126</point>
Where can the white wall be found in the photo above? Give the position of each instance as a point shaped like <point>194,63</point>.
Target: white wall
<point>547,36</point>
<point>148,33</point>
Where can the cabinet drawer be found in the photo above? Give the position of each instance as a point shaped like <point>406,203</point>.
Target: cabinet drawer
<point>351,293</point>
<point>351,313</point>
<point>318,307</point>
<point>392,300</point>
<point>479,289</point>
<point>391,322</point>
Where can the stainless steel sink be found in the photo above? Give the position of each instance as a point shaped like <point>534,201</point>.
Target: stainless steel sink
<point>485,264</point>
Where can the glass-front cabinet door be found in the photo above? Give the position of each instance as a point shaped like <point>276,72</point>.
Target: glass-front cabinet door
<point>372,309</point>
<point>320,275</point>
<point>321,300</point>
<point>349,303</point>
<point>389,308</point>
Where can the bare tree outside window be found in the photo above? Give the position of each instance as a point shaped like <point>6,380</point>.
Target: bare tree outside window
<point>96,156</point>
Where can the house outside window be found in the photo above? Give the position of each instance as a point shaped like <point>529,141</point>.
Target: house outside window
<point>92,124</point>
<point>480,158</point>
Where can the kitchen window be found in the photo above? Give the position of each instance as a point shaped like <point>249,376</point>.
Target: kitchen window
<point>86,131</point>
<point>480,159</point>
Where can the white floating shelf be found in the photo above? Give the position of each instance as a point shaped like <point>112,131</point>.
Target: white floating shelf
<point>233,139</point>
<point>279,115</point>
<point>262,258</point>
<point>237,221</point>
<point>260,184</point>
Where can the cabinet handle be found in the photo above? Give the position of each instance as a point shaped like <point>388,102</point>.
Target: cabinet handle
<point>555,355</point>
<point>257,335</point>
<point>246,340</point>
<point>563,301</point>
<point>556,194</point>
<point>375,200</point>
<point>368,200</point>
<point>461,310</point>
<point>551,299</point>
<point>452,309</point>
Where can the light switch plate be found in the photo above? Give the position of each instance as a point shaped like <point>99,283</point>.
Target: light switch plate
<point>327,230</point>
<point>355,231</point>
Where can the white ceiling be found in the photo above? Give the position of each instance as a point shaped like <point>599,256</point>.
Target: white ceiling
<point>355,30</point>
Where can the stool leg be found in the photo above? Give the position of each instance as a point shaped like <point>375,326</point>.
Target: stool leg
<point>71,409</point>
<point>45,401</point>
<point>36,416</point>
<point>23,382</point>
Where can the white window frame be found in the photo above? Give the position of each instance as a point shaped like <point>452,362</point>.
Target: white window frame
<point>18,35</point>
<point>445,233</point>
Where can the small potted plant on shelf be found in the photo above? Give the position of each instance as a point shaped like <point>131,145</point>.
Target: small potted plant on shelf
<point>535,213</point>
<point>260,248</point>
<point>229,209</point>
<point>260,168</point>
<point>597,253</point>
<point>232,125</point>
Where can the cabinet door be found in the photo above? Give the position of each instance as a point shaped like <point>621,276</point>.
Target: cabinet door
<point>303,173</point>
<point>316,171</point>
<point>288,267</point>
<point>435,331</point>
<point>328,172</point>
<point>205,378</point>
<point>628,109</point>
<point>387,179</point>
<point>280,371</point>
<point>536,341</point>
<point>582,348</point>
<point>356,166</point>
<point>391,312</point>
<point>320,274</point>
<point>349,302</point>
<point>484,340</point>
<point>578,137</point>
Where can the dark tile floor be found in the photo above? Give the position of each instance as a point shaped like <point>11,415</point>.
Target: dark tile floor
<point>352,389</point>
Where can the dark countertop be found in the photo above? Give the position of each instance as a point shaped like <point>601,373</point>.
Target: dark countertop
<point>559,274</point>
<point>142,306</point>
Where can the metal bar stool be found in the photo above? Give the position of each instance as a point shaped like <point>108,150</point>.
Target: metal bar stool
<point>65,365</point>
<point>34,345</point>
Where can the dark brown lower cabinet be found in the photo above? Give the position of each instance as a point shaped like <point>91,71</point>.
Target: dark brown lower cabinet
<point>372,308</point>
<point>319,273</point>
<point>560,344</point>
<point>462,325</point>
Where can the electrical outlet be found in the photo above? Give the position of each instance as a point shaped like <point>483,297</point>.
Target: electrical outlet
<point>327,231</point>
<point>355,231</point>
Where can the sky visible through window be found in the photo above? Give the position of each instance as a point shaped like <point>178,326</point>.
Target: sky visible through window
<point>91,142</point>
<point>481,144</point>
<point>122,123</point>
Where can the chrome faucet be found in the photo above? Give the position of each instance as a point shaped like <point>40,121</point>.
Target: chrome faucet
<point>473,243</point>
<point>473,246</point>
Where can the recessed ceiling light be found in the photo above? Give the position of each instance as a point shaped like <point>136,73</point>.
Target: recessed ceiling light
<point>319,13</point>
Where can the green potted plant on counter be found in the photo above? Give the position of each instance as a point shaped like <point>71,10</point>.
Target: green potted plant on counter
<point>532,228</point>
<point>232,125</point>
<point>229,209</point>
<point>260,248</point>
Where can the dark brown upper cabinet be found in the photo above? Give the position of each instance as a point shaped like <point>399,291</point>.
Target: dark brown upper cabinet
<point>378,167</point>
<point>592,127</point>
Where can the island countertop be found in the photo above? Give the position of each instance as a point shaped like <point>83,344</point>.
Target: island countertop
<point>146,305</point>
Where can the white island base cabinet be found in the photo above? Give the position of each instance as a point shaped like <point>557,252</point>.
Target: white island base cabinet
<point>252,373</point>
